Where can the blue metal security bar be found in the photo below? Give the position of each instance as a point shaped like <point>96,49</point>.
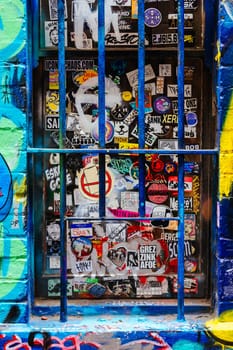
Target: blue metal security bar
<point>102,151</point>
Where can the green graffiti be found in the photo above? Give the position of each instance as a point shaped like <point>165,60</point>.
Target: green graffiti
<point>12,36</point>
<point>10,142</point>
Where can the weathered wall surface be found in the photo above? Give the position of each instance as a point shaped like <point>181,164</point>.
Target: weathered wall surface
<point>13,234</point>
<point>17,331</point>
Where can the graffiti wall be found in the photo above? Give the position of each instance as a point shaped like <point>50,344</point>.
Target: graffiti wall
<point>13,243</point>
<point>107,332</point>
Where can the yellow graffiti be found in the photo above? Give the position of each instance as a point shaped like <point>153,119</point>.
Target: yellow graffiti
<point>20,191</point>
<point>226,155</point>
<point>221,329</point>
<point>218,54</point>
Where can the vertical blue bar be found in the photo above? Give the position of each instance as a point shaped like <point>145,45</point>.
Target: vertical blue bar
<point>101,103</point>
<point>141,108</point>
<point>180,73</point>
<point>32,41</point>
<point>62,134</point>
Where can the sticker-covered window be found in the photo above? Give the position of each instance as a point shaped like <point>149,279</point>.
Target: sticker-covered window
<point>106,214</point>
<point>123,258</point>
<point>121,17</point>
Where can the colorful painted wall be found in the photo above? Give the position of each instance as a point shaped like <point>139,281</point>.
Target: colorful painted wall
<point>17,329</point>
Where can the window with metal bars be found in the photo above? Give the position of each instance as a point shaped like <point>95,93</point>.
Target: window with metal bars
<point>122,153</point>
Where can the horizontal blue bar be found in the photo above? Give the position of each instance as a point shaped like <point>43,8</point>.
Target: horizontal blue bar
<point>121,151</point>
<point>131,218</point>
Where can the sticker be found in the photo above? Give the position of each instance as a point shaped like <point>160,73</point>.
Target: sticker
<point>189,132</point>
<point>54,287</point>
<point>165,39</point>
<point>190,285</point>
<point>81,247</point>
<point>122,165</point>
<point>51,122</point>
<point>188,72</point>
<point>173,19</point>
<point>189,39</point>
<point>172,90</point>
<point>130,200</point>
<point>159,85</point>
<point>162,104</point>
<point>109,131</point>
<point>80,229</point>
<point>53,9</point>
<point>170,167</point>
<point>190,227</point>
<point>52,102</point>
<point>153,256</point>
<point>189,104</point>
<point>148,287</point>
<point>51,33</point>
<point>170,119</point>
<point>134,9</point>
<point>188,203</point>
<point>53,80</point>
<point>131,116</point>
<point>190,4</point>
<point>89,182</point>
<point>157,193</point>
<point>173,183</point>
<point>116,232</point>
<point>157,165</point>
<point>54,158</point>
<point>132,259</point>
<point>190,265</point>
<point>118,256</point>
<point>54,262</point>
<point>80,77</point>
<point>127,145</point>
<point>120,213</point>
<point>127,96</point>
<point>161,211</point>
<point>192,147</point>
<point>147,99</point>
<point>165,70</point>
<point>97,290</point>
<point>150,138</point>
<point>153,17</point>
<point>191,167</point>
<point>189,249</point>
<point>83,266</point>
<point>121,129</point>
<point>168,144</point>
<point>191,118</point>
<point>120,139</point>
<point>133,75</point>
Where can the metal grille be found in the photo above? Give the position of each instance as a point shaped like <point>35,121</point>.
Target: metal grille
<point>102,151</point>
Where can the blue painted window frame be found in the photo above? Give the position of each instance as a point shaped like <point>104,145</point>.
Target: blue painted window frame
<point>33,7</point>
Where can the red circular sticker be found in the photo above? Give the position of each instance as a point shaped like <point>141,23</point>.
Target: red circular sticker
<point>157,165</point>
<point>89,183</point>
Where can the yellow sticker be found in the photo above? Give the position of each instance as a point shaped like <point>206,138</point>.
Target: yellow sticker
<point>134,9</point>
<point>127,145</point>
<point>127,96</point>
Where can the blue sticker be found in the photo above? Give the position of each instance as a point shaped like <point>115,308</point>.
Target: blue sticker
<point>191,118</point>
<point>153,17</point>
